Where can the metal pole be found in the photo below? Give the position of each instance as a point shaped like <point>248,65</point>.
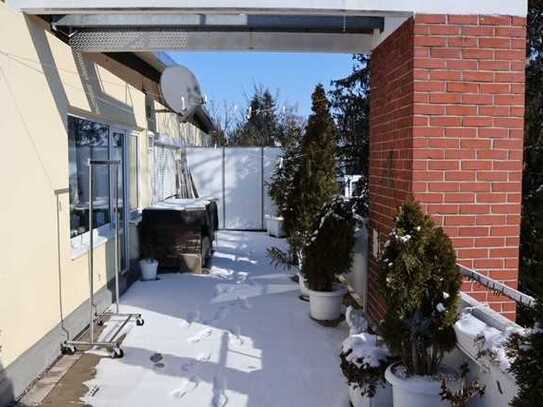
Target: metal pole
<point>91,255</point>
<point>116,186</point>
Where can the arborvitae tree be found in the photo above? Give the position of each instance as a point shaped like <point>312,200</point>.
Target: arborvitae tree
<point>316,179</point>
<point>329,251</point>
<point>307,179</point>
<point>419,281</point>
<point>526,352</point>
<point>283,189</point>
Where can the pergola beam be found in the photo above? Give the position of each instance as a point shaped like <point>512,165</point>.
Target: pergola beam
<point>153,40</point>
<point>226,22</point>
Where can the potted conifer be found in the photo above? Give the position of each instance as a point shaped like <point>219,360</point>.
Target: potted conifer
<point>305,182</point>
<point>328,255</point>
<point>526,352</point>
<point>419,282</point>
<point>364,360</point>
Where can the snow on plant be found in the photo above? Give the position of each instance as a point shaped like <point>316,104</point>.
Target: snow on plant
<point>329,252</point>
<point>308,177</point>
<point>491,345</point>
<point>459,397</point>
<point>364,361</point>
<point>419,281</point>
<point>526,353</point>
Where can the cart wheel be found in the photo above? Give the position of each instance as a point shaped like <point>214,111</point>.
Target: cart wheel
<point>100,322</point>
<point>67,349</point>
<point>118,353</point>
<point>140,321</point>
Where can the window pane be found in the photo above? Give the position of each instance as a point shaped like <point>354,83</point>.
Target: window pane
<point>117,140</point>
<point>133,172</point>
<point>87,140</point>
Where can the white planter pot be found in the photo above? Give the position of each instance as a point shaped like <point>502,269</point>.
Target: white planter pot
<point>419,391</point>
<point>301,284</point>
<point>148,269</point>
<point>274,226</point>
<point>326,305</point>
<point>382,398</point>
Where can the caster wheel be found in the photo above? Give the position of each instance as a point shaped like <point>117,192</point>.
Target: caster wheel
<point>100,322</point>
<point>140,322</point>
<point>117,353</point>
<point>68,349</point>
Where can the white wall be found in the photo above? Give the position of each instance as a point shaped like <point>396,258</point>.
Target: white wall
<point>238,182</point>
<point>243,185</point>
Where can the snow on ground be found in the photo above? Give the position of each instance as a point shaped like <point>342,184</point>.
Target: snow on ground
<point>236,337</point>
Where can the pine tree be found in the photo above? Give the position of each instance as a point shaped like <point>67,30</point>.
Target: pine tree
<point>262,127</point>
<point>531,277</point>
<point>419,281</point>
<point>351,107</point>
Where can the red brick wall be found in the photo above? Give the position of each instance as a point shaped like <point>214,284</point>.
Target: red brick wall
<point>391,128</point>
<point>467,109</point>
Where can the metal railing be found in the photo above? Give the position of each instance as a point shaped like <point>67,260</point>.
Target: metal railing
<point>497,287</point>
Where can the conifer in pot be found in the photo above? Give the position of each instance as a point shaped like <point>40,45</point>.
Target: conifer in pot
<point>420,282</point>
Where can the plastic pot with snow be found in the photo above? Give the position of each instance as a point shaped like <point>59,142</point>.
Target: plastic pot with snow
<point>364,361</point>
<point>148,255</point>
<point>148,269</point>
<point>420,391</point>
<point>328,255</point>
<point>274,226</point>
<point>419,281</point>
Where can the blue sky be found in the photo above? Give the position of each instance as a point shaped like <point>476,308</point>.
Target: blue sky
<point>231,75</point>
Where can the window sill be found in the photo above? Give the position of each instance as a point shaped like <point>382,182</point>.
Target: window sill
<point>81,244</point>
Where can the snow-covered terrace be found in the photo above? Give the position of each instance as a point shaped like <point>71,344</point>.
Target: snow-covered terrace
<point>239,336</point>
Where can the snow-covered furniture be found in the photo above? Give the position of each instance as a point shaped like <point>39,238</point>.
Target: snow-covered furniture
<point>181,232</point>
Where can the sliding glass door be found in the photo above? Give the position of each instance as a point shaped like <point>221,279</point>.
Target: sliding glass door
<point>119,182</point>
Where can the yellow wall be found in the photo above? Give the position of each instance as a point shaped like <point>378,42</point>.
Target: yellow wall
<point>41,82</point>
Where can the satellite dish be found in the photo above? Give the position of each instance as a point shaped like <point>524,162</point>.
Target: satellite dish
<point>180,89</point>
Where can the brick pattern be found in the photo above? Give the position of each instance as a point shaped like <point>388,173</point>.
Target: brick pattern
<point>391,122</point>
<point>467,106</point>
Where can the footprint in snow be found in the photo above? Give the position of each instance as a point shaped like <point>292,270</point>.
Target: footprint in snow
<point>244,303</point>
<point>156,357</point>
<point>223,289</point>
<point>202,357</point>
<point>235,335</point>
<point>206,333</point>
<point>219,392</point>
<point>192,316</point>
<point>242,277</point>
<point>187,367</point>
<point>221,314</point>
<point>187,387</point>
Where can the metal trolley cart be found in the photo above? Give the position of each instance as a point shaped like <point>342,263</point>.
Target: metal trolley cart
<point>71,346</point>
